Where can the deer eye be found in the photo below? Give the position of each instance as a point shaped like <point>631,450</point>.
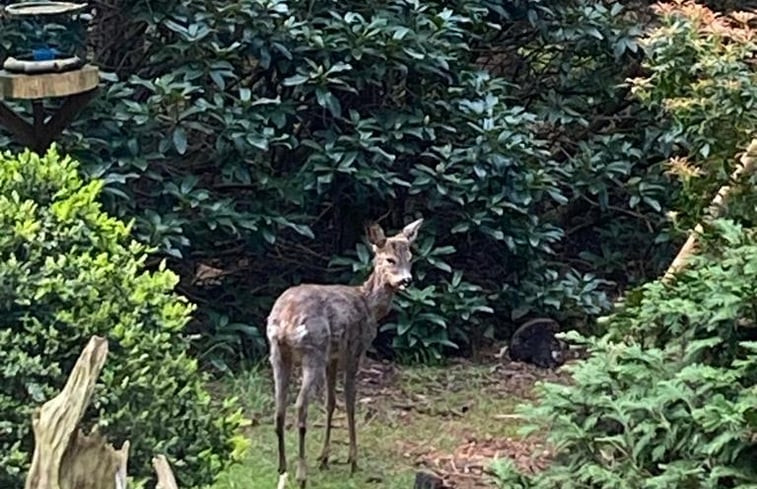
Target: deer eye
<point>391,261</point>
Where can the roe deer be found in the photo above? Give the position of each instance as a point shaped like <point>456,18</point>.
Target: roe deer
<point>328,328</point>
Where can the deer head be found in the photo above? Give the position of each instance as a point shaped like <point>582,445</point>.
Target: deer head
<point>392,256</point>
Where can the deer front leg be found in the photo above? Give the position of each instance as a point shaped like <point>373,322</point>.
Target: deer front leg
<point>350,372</point>
<point>331,371</point>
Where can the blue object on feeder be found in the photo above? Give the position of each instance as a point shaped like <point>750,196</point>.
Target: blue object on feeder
<point>44,54</point>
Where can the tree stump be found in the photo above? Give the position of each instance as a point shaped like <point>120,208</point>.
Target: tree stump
<point>64,457</point>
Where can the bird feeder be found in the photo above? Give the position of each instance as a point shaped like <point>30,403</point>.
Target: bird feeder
<point>47,62</point>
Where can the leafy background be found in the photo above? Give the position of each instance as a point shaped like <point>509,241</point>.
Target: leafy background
<point>258,137</point>
<point>557,150</point>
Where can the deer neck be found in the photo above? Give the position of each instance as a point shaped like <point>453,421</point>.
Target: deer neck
<point>378,294</point>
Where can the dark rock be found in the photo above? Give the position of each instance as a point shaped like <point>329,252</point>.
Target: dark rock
<point>534,342</point>
<point>428,480</point>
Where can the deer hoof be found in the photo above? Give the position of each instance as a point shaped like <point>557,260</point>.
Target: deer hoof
<point>282,481</point>
<point>302,482</point>
<point>353,466</point>
<point>324,463</point>
<point>301,474</point>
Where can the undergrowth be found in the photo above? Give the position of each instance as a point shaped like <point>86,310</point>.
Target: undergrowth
<point>397,421</point>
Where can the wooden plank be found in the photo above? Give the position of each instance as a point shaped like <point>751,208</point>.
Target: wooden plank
<point>48,85</point>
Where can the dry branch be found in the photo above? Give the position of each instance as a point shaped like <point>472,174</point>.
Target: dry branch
<point>166,480</point>
<point>747,165</point>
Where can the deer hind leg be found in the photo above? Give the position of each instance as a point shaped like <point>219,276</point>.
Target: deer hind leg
<point>281,362</point>
<point>313,367</point>
<point>331,371</point>
<point>350,392</point>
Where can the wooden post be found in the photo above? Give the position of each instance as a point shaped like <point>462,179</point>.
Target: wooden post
<point>747,165</point>
<point>76,87</point>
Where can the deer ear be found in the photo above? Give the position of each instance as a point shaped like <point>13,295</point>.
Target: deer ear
<point>376,235</point>
<point>410,232</point>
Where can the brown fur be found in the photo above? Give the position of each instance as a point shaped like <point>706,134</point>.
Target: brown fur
<point>328,328</point>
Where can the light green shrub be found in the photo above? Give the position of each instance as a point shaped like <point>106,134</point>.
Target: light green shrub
<point>69,271</point>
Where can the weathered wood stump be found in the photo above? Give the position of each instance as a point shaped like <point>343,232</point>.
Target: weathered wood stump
<point>66,458</point>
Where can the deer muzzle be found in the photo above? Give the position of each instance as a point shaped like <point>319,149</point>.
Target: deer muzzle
<point>405,283</point>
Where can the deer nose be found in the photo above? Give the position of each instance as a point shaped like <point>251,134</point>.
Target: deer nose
<point>406,281</point>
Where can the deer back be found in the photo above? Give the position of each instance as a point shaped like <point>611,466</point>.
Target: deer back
<point>312,317</point>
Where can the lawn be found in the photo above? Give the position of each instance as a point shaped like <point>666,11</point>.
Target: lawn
<point>452,420</point>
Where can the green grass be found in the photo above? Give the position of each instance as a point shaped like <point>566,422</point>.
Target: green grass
<point>425,408</point>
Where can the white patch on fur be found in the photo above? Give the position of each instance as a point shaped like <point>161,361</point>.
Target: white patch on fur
<point>301,331</point>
